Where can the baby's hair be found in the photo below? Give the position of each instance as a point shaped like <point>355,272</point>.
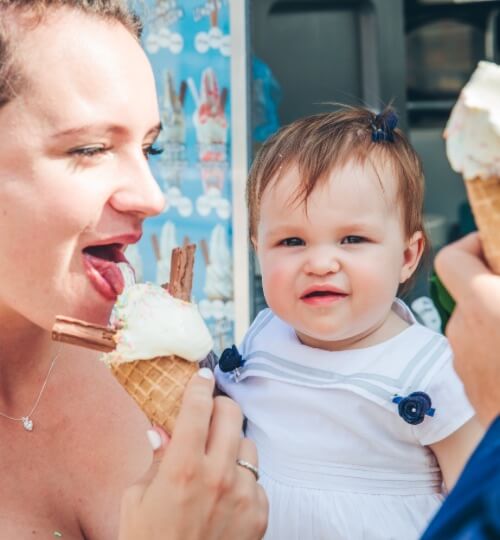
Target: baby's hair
<point>23,15</point>
<point>318,144</point>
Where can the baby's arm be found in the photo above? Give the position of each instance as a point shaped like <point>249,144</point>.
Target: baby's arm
<point>453,452</point>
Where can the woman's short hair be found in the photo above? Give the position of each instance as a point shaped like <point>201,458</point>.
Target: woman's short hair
<point>27,14</point>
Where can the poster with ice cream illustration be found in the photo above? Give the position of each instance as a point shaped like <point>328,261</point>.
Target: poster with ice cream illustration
<point>217,307</point>
<point>188,44</point>
<point>211,129</point>
<point>162,249</point>
<point>212,37</point>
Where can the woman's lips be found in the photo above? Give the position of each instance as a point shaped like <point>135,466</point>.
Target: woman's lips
<point>104,275</point>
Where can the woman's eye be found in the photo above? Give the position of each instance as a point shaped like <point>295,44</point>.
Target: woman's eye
<point>88,151</point>
<point>152,150</point>
<point>353,239</point>
<point>292,242</point>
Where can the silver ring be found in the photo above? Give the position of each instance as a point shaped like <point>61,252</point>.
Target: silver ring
<point>252,468</point>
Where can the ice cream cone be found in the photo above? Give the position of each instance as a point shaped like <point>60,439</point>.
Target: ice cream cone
<point>484,198</point>
<point>156,385</point>
<point>472,145</point>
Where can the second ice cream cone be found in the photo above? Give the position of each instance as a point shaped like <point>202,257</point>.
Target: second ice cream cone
<point>472,145</point>
<point>484,198</point>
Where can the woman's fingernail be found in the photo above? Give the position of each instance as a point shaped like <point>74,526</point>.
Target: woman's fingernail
<point>154,439</point>
<point>206,373</point>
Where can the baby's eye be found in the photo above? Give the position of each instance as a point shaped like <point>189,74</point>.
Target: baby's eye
<point>292,242</point>
<point>353,239</point>
<point>88,151</point>
<point>152,150</point>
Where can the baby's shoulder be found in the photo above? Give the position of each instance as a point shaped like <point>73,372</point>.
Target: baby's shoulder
<point>266,325</point>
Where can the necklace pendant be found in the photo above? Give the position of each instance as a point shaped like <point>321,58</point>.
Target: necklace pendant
<point>27,423</point>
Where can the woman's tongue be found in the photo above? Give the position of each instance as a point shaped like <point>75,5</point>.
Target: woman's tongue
<point>103,272</point>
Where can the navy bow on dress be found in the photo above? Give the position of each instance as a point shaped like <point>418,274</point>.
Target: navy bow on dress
<point>414,407</point>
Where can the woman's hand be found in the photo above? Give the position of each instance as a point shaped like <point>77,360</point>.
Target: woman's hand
<point>473,329</point>
<point>195,489</point>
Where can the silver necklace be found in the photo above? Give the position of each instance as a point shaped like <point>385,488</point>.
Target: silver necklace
<point>27,421</point>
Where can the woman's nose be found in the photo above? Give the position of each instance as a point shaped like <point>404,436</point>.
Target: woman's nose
<point>322,262</point>
<point>138,192</point>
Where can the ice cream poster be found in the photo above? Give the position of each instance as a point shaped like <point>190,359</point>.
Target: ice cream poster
<point>188,44</point>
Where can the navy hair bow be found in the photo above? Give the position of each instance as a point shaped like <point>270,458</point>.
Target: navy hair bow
<point>383,126</point>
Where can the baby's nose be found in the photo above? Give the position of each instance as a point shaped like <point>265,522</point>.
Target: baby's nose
<point>322,262</point>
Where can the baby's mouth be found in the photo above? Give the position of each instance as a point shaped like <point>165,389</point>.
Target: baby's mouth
<point>322,297</point>
<point>101,266</point>
<point>322,294</point>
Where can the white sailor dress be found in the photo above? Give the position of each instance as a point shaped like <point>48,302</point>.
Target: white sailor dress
<point>338,459</point>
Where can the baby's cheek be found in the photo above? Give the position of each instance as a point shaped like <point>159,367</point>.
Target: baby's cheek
<point>274,274</point>
<point>375,289</point>
<point>276,284</point>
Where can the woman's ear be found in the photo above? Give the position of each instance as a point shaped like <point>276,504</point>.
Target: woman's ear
<point>412,255</point>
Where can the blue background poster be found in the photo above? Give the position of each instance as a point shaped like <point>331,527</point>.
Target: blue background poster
<point>188,44</point>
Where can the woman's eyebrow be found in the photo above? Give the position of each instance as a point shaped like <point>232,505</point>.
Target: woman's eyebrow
<point>88,128</point>
<point>100,128</point>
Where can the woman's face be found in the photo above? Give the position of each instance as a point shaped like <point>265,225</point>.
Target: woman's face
<point>75,185</point>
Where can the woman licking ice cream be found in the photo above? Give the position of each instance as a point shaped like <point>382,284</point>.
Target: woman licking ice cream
<point>78,121</point>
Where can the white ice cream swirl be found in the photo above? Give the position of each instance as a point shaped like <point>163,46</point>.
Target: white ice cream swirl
<point>473,131</point>
<point>219,282</point>
<point>153,323</point>
<point>219,276</point>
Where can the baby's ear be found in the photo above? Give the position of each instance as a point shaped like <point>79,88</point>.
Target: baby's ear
<point>253,241</point>
<point>412,255</point>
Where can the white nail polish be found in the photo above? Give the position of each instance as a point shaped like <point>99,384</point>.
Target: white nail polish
<point>206,373</point>
<point>154,439</point>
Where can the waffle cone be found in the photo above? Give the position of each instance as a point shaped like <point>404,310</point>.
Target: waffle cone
<point>156,385</point>
<point>484,198</point>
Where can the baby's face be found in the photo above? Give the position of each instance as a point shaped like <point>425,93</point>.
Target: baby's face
<point>331,267</point>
